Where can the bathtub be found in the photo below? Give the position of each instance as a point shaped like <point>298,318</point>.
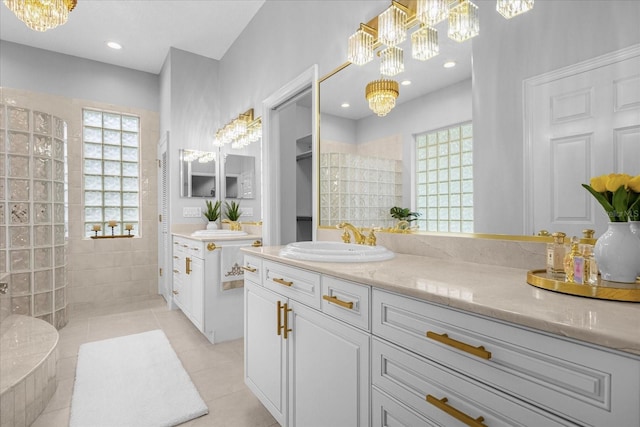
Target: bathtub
<point>28,356</point>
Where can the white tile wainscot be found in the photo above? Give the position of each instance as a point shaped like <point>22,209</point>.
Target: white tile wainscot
<point>484,342</point>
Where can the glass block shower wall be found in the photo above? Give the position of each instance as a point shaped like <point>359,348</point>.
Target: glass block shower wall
<point>359,189</point>
<point>33,212</point>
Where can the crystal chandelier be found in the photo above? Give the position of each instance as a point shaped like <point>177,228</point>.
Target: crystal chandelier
<point>382,95</point>
<point>432,12</point>
<point>391,61</point>
<point>41,15</point>
<point>511,8</point>
<point>424,43</point>
<point>463,21</point>
<point>360,49</point>
<point>239,132</point>
<point>392,25</point>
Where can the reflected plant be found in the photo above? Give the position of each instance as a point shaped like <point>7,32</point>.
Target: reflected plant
<point>213,210</point>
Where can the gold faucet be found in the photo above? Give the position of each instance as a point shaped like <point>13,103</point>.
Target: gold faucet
<point>357,235</point>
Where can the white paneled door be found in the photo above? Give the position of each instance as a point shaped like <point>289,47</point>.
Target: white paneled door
<point>580,122</point>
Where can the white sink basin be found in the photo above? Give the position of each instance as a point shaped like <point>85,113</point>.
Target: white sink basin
<point>218,233</point>
<point>335,252</point>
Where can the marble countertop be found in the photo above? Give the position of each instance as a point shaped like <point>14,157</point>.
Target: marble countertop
<point>497,292</point>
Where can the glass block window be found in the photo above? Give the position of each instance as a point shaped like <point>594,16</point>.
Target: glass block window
<point>444,179</point>
<point>111,144</point>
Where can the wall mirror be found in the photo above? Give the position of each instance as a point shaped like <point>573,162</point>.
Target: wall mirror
<point>516,168</point>
<point>239,176</point>
<point>366,160</point>
<point>198,173</point>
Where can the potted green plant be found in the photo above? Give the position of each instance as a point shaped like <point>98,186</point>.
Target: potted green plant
<point>404,217</point>
<point>212,214</point>
<point>232,212</point>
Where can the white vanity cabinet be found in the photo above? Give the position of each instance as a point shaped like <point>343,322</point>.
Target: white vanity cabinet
<point>507,374</point>
<point>203,287</point>
<point>307,367</point>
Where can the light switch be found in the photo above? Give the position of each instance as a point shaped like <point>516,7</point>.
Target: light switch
<point>191,212</point>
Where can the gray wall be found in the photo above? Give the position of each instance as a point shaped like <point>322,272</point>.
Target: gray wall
<point>38,70</point>
<point>555,34</point>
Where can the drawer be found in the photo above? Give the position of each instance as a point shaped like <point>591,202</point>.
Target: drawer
<point>291,282</point>
<point>444,396</point>
<point>346,301</point>
<point>387,411</point>
<point>252,267</point>
<point>587,385</point>
<point>194,248</point>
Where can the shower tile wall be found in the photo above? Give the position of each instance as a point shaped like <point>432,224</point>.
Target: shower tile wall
<point>359,189</point>
<point>33,212</point>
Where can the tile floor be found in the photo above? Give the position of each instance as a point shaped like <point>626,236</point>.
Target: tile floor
<point>216,370</point>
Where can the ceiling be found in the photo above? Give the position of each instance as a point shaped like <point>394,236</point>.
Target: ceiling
<point>145,28</point>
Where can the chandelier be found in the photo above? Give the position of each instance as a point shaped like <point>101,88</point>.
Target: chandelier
<point>382,95</point>
<point>41,15</point>
<point>390,29</point>
<point>239,132</point>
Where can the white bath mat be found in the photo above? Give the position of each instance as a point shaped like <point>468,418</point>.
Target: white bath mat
<point>135,380</point>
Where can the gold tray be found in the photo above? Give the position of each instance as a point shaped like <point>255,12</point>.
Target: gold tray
<point>603,290</point>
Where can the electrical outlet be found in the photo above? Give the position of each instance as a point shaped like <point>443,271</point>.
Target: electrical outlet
<point>191,212</point>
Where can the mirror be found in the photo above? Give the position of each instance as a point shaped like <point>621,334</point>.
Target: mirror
<point>366,160</point>
<point>239,176</point>
<point>506,55</point>
<point>197,173</point>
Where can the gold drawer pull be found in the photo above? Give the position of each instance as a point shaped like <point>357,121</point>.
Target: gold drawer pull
<point>213,247</point>
<point>282,282</point>
<point>176,271</point>
<point>455,413</point>
<point>257,244</point>
<point>336,301</point>
<point>444,339</point>
<point>175,292</point>
<point>175,257</point>
<point>249,269</point>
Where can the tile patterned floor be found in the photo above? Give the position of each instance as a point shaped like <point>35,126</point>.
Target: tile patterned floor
<point>216,370</point>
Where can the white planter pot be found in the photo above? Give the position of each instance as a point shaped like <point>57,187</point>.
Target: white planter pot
<point>212,225</point>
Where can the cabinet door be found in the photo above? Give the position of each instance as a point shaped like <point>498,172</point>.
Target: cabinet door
<point>265,358</point>
<point>328,371</point>
<point>178,278</point>
<point>196,292</point>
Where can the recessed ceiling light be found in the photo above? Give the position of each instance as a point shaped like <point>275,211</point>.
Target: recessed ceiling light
<point>449,64</point>
<point>114,45</point>
<point>345,105</point>
<point>405,82</point>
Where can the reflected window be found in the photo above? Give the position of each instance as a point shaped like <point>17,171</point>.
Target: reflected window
<point>444,179</point>
<point>110,171</point>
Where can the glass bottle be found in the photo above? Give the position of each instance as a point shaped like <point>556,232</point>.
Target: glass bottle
<point>555,256</point>
<point>569,261</point>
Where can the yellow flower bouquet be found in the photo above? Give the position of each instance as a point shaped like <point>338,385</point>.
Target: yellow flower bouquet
<point>619,195</point>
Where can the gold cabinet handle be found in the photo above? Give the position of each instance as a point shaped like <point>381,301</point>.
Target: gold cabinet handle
<point>283,324</point>
<point>185,246</point>
<point>257,244</point>
<point>175,292</point>
<point>282,281</point>
<point>176,271</point>
<point>336,301</point>
<point>187,265</point>
<point>212,247</point>
<point>175,257</point>
<point>455,413</point>
<point>249,269</point>
<point>444,339</point>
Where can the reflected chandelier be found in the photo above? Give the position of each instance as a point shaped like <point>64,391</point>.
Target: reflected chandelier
<point>239,132</point>
<point>390,28</point>
<point>41,15</point>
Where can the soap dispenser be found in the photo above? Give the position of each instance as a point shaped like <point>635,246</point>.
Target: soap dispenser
<point>555,256</point>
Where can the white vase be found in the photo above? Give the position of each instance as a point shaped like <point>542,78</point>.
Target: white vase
<point>635,227</point>
<point>617,253</point>
<point>212,225</point>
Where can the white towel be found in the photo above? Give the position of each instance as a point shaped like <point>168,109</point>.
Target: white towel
<point>232,272</point>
